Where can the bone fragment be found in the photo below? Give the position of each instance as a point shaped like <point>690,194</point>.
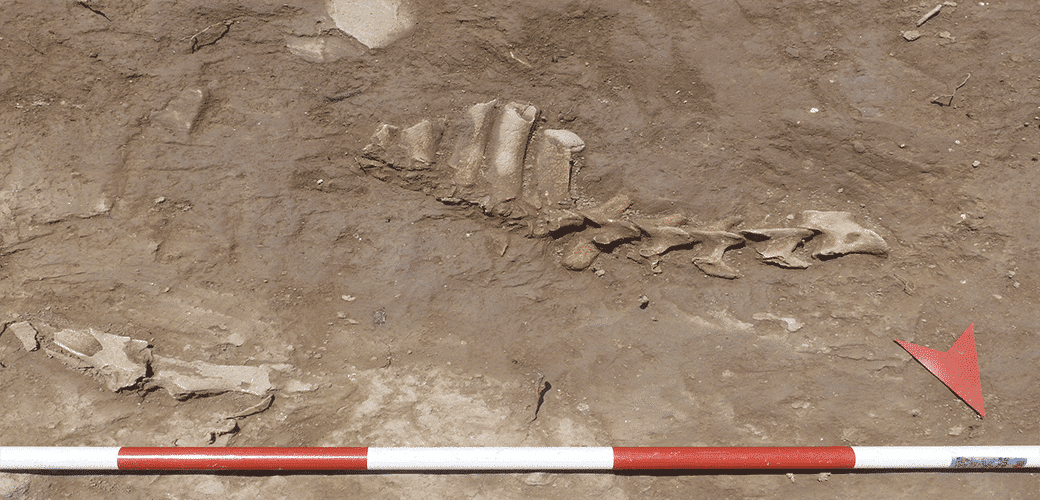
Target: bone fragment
<point>841,235</point>
<point>552,179</point>
<point>420,141</point>
<point>470,143</point>
<point>506,151</point>
<point>606,212</point>
<point>26,334</point>
<point>719,242</point>
<point>792,324</point>
<point>580,253</point>
<point>121,362</point>
<point>777,246</point>
<point>615,232</point>
<point>663,238</point>
<point>552,221</point>
<point>183,379</point>
<point>928,15</point>
<point>181,113</point>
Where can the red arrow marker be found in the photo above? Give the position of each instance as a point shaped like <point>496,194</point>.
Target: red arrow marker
<point>958,368</point>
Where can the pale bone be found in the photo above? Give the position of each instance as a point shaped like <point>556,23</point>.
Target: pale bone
<point>375,23</point>
<point>506,150</point>
<point>382,139</point>
<point>569,140</point>
<point>841,235</point>
<point>180,114</point>
<point>556,220</point>
<point>26,334</point>
<point>615,232</point>
<point>663,238</point>
<point>792,324</point>
<point>421,142</point>
<point>120,361</point>
<point>663,234</point>
<point>184,379</point>
<point>471,142</point>
<point>586,246</point>
<point>606,212</point>
<point>552,179</point>
<point>777,246</point>
<point>719,241</point>
<point>580,253</point>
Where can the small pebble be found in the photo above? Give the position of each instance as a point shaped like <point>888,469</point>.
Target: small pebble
<point>911,35</point>
<point>976,163</point>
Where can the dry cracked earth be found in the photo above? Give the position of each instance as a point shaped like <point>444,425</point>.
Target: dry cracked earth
<point>184,190</point>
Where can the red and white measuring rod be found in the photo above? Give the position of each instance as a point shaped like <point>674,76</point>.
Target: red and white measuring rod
<point>519,459</point>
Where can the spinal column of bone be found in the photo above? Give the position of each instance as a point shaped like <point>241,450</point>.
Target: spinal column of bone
<point>496,160</point>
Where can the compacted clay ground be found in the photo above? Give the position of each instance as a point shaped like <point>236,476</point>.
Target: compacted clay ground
<point>172,172</point>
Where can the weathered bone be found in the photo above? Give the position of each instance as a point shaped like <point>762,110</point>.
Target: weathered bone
<point>719,241</point>
<point>121,362</point>
<point>777,246</point>
<point>580,253</point>
<point>468,157</point>
<point>489,165</point>
<point>552,180</point>
<point>841,235</point>
<point>506,151</point>
<point>421,141</point>
<point>551,221</point>
<point>662,239</point>
<point>606,212</point>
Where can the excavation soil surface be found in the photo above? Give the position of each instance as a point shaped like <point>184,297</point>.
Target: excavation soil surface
<point>251,236</point>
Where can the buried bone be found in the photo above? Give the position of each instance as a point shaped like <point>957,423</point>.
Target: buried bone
<point>777,246</point>
<point>719,242</point>
<point>506,150</point>
<point>498,160</point>
<point>468,158</point>
<point>552,182</point>
<point>26,334</point>
<point>121,362</point>
<point>840,235</point>
<point>183,379</point>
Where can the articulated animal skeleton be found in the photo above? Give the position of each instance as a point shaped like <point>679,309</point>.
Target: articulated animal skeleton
<point>492,158</point>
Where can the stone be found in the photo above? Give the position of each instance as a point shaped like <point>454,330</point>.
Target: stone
<point>777,246</point>
<point>840,235</point>
<point>911,35</point>
<point>26,334</point>
<point>120,362</point>
<point>184,379</point>
<point>375,23</point>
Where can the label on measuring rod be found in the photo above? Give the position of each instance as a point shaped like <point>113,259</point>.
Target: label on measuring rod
<point>987,463</point>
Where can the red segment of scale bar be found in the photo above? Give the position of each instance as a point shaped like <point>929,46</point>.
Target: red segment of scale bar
<point>243,459</point>
<point>677,458</point>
